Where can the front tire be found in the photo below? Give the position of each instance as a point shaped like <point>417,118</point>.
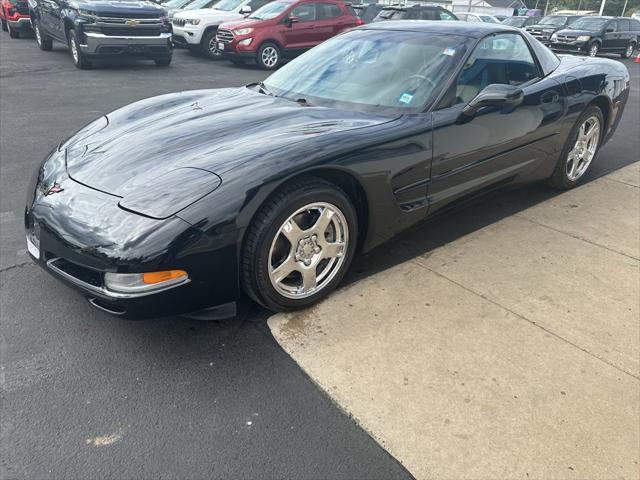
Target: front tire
<point>579,150</point>
<point>299,245</point>
<point>209,47</point>
<point>593,49</point>
<point>44,41</point>
<point>268,56</point>
<point>13,33</point>
<point>629,50</point>
<point>163,62</point>
<point>79,59</point>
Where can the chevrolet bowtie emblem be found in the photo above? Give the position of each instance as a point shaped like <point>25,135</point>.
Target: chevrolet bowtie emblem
<point>132,23</point>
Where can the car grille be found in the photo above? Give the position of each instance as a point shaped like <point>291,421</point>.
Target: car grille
<point>132,31</point>
<point>566,38</point>
<point>116,16</point>
<point>224,35</point>
<point>83,274</point>
<point>179,22</point>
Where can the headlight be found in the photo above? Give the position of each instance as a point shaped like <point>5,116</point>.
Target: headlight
<point>584,38</point>
<point>554,37</point>
<point>143,282</point>
<point>192,21</point>
<point>243,31</point>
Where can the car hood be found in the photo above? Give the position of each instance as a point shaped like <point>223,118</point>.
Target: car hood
<point>208,13</point>
<point>121,7</point>
<point>246,22</point>
<point>214,131</point>
<point>575,33</point>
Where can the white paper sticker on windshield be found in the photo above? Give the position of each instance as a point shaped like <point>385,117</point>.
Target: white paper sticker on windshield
<point>449,51</point>
<point>406,98</point>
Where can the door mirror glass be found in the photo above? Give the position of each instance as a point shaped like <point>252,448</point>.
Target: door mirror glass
<point>292,19</point>
<point>246,10</point>
<point>609,30</point>
<point>494,95</point>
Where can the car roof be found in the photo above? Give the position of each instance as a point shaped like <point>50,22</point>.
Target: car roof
<point>474,30</point>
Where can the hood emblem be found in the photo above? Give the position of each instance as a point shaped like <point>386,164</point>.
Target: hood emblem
<point>56,188</point>
<point>132,23</point>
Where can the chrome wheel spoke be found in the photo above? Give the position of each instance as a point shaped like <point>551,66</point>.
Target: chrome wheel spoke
<point>332,250</point>
<point>320,227</point>
<point>309,278</point>
<point>284,269</point>
<point>292,231</point>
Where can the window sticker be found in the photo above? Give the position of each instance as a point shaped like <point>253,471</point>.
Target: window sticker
<point>449,51</point>
<point>406,98</point>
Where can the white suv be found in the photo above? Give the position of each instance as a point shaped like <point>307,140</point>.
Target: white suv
<point>196,29</point>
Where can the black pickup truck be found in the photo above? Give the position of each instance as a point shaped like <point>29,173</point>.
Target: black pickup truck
<point>98,29</point>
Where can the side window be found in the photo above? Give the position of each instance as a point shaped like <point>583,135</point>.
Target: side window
<point>635,25</point>
<point>623,25</point>
<point>325,11</point>
<point>444,15</point>
<point>504,58</point>
<point>427,14</point>
<point>611,27</point>
<point>305,12</point>
<point>256,4</point>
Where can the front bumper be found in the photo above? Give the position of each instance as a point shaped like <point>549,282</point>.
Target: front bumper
<point>152,47</point>
<point>573,47</point>
<point>81,234</point>
<point>191,35</point>
<point>22,24</point>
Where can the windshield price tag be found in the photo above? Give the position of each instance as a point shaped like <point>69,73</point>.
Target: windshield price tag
<point>449,51</point>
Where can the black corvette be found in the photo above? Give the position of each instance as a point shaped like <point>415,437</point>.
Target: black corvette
<point>182,202</point>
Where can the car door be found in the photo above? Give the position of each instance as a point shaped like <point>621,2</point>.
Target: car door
<point>497,144</point>
<point>624,32</point>
<point>299,34</point>
<point>610,37</point>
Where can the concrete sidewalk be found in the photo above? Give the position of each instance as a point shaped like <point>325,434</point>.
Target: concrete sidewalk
<point>511,352</point>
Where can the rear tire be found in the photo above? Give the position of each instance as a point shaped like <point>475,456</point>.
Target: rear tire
<point>163,62</point>
<point>44,41</point>
<point>299,245</point>
<point>593,49</point>
<point>629,51</point>
<point>578,154</point>
<point>268,56</point>
<point>5,27</point>
<point>79,59</point>
<point>208,46</point>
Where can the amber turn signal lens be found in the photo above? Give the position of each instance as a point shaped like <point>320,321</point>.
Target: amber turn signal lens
<point>157,277</point>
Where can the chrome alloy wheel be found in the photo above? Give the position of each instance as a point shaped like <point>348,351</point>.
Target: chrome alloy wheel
<point>629,51</point>
<point>213,46</point>
<point>269,56</point>
<point>74,49</point>
<point>593,50</point>
<point>308,250</point>
<point>583,151</point>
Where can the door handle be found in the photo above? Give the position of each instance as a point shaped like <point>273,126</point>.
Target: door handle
<point>549,97</point>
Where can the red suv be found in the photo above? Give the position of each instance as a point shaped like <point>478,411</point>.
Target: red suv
<point>284,29</point>
<point>14,16</point>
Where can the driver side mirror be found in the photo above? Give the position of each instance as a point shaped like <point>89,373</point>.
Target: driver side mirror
<point>609,30</point>
<point>246,10</point>
<point>494,95</point>
<point>292,19</point>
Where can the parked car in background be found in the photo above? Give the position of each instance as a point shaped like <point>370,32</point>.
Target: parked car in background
<point>521,21</point>
<point>501,18</point>
<point>415,12</point>
<point>196,29</point>
<point>593,35</point>
<point>95,29</point>
<point>284,29</point>
<point>173,6</point>
<point>14,17</point>
<point>550,24</point>
<point>476,17</point>
<point>367,12</point>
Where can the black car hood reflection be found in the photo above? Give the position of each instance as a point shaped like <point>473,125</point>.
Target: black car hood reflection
<point>212,130</point>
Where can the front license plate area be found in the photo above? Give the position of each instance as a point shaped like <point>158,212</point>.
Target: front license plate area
<point>220,46</point>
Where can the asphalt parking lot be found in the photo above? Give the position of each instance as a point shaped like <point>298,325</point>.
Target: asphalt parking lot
<point>88,395</point>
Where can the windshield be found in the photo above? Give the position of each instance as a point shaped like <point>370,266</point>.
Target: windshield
<point>171,4</point>
<point>588,24</point>
<point>515,21</point>
<point>270,10</point>
<point>489,19</point>
<point>198,4</point>
<point>227,5</point>
<point>553,21</point>
<point>372,69</point>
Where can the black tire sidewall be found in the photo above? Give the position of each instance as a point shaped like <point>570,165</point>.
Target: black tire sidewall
<point>259,56</point>
<point>204,45</point>
<point>270,297</point>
